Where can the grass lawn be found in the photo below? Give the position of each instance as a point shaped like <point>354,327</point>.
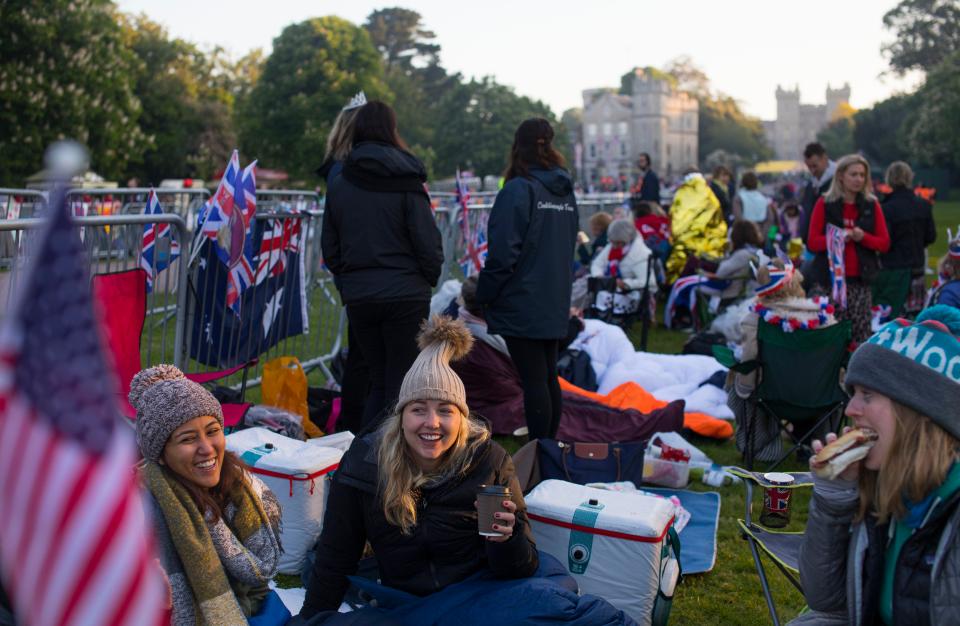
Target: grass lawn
<point>730,594</point>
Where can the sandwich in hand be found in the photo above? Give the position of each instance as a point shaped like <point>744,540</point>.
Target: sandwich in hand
<point>847,449</point>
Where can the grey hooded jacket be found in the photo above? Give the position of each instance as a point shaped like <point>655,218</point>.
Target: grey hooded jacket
<point>835,550</point>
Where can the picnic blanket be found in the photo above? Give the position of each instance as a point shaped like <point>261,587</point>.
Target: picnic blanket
<point>698,539</point>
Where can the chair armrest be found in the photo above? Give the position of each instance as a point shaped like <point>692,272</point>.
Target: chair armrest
<point>208,377</point>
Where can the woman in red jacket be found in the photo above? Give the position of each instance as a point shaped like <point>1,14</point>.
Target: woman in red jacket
<point>850,205</point>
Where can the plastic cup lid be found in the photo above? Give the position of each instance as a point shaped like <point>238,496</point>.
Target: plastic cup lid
<point>778,478</point>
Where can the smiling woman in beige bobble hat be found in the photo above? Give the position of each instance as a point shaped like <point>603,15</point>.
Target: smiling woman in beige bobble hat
<point>409,489</point>
<point>217,526</point>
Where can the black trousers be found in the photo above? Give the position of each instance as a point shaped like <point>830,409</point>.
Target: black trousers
<point>386,333</point>
<point>355,387</point>
<point>536,361</point>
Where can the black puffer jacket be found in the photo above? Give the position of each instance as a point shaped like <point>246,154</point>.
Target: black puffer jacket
<point>910,222</point>
<point>379,237</point>
<point>526,282</point>
<point>444,547</point>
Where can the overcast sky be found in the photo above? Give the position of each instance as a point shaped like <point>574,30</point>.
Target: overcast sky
<point>552,51</point>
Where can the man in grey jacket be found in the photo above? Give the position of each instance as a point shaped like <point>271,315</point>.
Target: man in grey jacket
<point>890,567</point>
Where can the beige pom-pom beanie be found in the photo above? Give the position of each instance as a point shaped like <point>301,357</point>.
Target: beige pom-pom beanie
<point>441,340</point>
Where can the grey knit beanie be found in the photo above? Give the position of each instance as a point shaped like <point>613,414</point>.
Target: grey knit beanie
<point>621,231</point>
<point>916,364</point>
<point>165,400</point>
<point>430,377</point>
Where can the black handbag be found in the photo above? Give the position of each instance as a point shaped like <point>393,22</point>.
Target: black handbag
<point>583,463</point>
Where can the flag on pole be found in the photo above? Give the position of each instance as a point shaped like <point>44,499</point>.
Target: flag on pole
<point>75,545</point>
<point>836,245</point>
<point>472,262</point>
<point>280,237</point>
<point>159,249</point>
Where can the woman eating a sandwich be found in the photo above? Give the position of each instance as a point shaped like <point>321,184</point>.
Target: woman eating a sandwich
<point>882,543</point>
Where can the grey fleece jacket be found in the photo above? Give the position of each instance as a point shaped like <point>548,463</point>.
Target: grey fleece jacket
<point>834,548</point>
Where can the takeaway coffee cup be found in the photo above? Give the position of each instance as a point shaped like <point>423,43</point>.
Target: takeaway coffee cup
<point>776,500</point>
<point>489,501</point>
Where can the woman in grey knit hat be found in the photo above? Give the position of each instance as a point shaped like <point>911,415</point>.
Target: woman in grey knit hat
<point>882,543</point>
<point>217,525</point>
<point>409,490</point>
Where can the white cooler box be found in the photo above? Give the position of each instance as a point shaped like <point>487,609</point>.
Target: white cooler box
<point>617,545</point>
<point>297,473</point>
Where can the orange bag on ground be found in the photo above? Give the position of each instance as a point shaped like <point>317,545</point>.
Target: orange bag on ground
<point>630,395</point>
<point>285,386</point>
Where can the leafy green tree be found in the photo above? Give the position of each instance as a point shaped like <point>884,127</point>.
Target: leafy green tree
<point>65,72</point>
<point>926,32</point>
<point>316,66</point>
<point>476,121</point>
<point>402,40</point>
<point>724,126</point>
<point>881,131</point>
<point>934,136</point>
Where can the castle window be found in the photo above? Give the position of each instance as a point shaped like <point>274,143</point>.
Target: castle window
<point>593,151</point>
<point>622,128</point>
<point>591,130</point>
<point>623,149</point>
<point>607,129</point>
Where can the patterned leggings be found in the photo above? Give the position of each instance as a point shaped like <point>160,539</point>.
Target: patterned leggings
<point>858,310</point>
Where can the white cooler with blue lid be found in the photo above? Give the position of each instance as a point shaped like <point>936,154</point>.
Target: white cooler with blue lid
<point>297,473</point>
<point>615,544</point>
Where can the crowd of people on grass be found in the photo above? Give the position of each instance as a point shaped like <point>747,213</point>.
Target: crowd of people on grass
<point>882,540</point>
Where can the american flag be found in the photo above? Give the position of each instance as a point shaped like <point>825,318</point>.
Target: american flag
<point>155,237</point>
<point>75,547</point>
<point>836,245</point>
<point>279,238</point>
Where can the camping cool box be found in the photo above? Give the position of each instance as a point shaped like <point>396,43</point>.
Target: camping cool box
<point>296,472</point>
<point>615,544</point>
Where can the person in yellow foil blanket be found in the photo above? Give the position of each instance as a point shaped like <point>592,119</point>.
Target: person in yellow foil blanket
<point>697,223</point>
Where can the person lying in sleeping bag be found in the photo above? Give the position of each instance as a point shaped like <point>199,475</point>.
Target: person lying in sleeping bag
<point>409,489</point>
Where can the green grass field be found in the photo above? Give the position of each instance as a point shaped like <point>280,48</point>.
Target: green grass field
<point>731,594</point>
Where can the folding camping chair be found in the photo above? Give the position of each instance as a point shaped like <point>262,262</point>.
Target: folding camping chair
<point>122,297</point>
<point>782,547</point>
<point>798,381</point>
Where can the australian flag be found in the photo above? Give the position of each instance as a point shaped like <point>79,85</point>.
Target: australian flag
<point>270,310</point>
<point>226,221</point>
<point>159,249</point>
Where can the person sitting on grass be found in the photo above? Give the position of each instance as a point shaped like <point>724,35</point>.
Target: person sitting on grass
<point>217,525</point>
<point>745,243</point>
<point>947,288</point>
<point>587,251</point>
<point>782,301</point>
<point>882,543</point>
<point>654,227</point>
<point>626,257</point>
<point>409,490</point>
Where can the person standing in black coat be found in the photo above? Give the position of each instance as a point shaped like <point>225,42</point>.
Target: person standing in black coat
<point>649,181</point>
<point>409,489</point>
<point>910,223</point>
<point>816,271</point>
<point>382,245</point>
<point>526,283</point>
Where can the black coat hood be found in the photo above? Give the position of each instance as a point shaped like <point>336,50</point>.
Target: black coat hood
<point>556,180</point>
<point>382,167</point>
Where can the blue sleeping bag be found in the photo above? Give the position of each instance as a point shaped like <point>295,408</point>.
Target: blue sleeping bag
<point>548,597</point>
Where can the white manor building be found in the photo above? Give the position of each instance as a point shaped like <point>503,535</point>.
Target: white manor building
<point>656,118</point>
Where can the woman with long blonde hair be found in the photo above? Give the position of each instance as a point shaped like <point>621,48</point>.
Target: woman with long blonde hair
<point>409,489</point>
<point>882,543</point>
<point>850,206</point>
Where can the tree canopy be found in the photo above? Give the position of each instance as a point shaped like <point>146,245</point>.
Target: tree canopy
<point>926,33</point>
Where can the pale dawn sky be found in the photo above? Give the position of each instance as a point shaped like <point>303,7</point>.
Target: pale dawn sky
<point>552,51</point>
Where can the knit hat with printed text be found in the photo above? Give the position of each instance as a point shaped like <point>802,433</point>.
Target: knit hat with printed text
<point>917,364</point>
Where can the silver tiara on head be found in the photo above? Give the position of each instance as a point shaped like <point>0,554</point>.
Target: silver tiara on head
<point>356,102</point>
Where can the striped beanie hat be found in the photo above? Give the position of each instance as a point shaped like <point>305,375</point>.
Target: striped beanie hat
<point>441,340</point>
<point>915,363</point>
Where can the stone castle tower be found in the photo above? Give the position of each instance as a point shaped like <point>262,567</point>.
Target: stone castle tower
<point>797,124</point>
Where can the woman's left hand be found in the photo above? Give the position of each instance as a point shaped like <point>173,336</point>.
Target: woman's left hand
<point>505,521</point>
<point>622,286</point>
<point>856,234</point>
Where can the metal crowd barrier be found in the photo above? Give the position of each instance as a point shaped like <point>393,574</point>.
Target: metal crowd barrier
<point>131,200</point>
<point>17,203</point>
<point>112,244</point>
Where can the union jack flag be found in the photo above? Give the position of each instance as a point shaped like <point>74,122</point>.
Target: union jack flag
<point>836,246</point>
<point>280,237</point>
<point>476,245</point>
<point>476,255</point>
<point>75,545</point>
<point>225,221</point>
<point>154,254</point>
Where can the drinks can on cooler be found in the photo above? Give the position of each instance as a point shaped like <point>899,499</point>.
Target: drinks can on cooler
<point>776,500</point>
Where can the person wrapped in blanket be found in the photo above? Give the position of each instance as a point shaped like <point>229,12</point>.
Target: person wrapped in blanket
<point>946,290</point>
<point>882,542</point>
<point>625,258</point>
<point>780,300</point>
<point>217,525</point>
<point>409,488</point>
